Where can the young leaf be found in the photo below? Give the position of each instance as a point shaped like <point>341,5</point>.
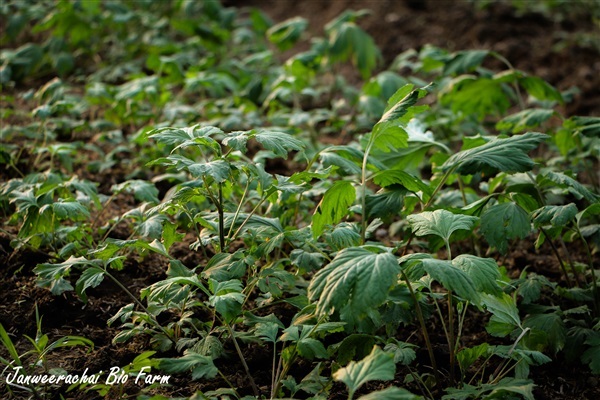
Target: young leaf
<point>503,222</point>
<point>278,142</point>
<point>484,272</point>
<point>504,309</point>
<point>441,223</point>
<point>540,89</point>
<point>286,33</point>
<point>333,207</point>
<point>356,278</point>
<point>201,366</point>
<point>386,202</point>
<point>451,277</point>
<point>176,136</point>
<point>227,298</point>
<point>470,95</point>
<point>576,188</point>
<point>52,276</point>
<point>553,326</point>
<point>91,277</point>
<point>392,177</point>
<point>464,61</point>
<point>507,155</point>
<point>592,355</point>
<point>73,210</point>
<point>554,215</point>
<point>217,169</point>
<point>523,120</point>
<point>142,190</point>
<point>376,366</point>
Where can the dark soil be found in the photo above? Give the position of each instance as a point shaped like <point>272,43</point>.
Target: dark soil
<point>556,49</point>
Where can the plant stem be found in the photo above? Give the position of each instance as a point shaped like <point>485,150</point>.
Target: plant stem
<point>239,351</point>
<point>591,264</point>
<point>363,184</point>
<point>221,219</point>
<point>421,319</point>
<point>558,257</point>
<point>140,304</point>
<point>239,209</point>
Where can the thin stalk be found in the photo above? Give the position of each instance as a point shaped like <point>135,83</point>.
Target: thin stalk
<point>363,184</point>
<point>221,219</point>
<point>570,260</point>
<point>289,364</point>
<point>591,264</point>
<point>274,367</point>
<point>554,249</point>
<point>422,386</point>
<point>242,359</point>
<point>421,319</point>
<point>228,383</point>
<point>239,229</point>
<point>239,208</point>
<point>558,257</point>
<point>443,321</point>
<point>451,343</point>
<point>515,84</point>
<point>481,368</point>
<point>497,373</point>
<point>140,304</point>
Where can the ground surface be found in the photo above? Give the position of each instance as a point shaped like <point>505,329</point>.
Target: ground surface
<point>560,51</point>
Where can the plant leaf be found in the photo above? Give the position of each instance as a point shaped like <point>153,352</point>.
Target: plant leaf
<point>376,366</point>
<point>142,190</point>
<point>507,155</point>
<point>91,277</point>
<point>452,278</point>
<point>333,207</point>
<point>201,366</point>
<point>176,136</point>
<point>503,222</point>
<point>441,223</point>
<point>576,188</point>
<point>504,309</point>
<point>278,142</point>
<point>484,272</point>
<point>72,210</point>
<point>554,215</point>
<point>523,120</point>
<point>217,169</point>
<point>356,278</point>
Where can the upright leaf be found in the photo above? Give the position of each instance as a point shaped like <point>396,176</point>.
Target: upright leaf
<point>333,207</point>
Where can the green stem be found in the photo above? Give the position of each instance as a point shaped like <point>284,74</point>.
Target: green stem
<point>239,208</point>
<point>363,184</point>
<point>421,319</point>
<point>451,343</point>
<point>221,219</point>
